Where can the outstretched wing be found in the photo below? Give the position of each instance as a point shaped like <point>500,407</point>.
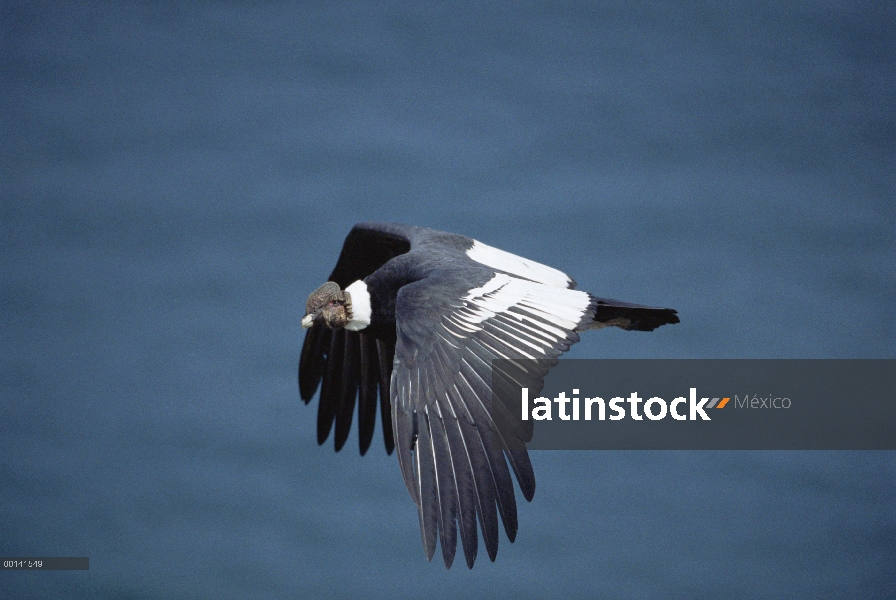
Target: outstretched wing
<point>448,331</point>
<point>350,364</point>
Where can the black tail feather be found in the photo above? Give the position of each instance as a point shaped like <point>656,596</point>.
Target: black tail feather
<point>633,317</point>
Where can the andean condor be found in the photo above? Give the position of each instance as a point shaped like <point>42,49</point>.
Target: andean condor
<point>418,315</point>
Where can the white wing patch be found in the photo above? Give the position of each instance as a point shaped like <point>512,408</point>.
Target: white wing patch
<point>531,317</point>
<point>517,265</point>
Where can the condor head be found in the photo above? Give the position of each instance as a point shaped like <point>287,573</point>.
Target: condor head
<point>328,305</point>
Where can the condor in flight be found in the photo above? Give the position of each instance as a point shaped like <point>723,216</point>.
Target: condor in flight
<point>417,315</point>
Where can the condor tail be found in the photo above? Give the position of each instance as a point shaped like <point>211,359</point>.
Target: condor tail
<point>633,317</point>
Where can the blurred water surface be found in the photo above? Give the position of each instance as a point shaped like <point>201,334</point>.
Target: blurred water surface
<point>175,178</point>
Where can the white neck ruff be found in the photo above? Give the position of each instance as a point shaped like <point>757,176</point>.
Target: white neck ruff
<point>361,310</point>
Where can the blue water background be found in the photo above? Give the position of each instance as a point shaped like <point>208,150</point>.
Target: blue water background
<point>175,178</point>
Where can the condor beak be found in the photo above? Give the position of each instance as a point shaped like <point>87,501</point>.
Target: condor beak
<point>308,321</point>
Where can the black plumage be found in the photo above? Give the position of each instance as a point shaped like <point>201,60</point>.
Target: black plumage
<point>424,314</point>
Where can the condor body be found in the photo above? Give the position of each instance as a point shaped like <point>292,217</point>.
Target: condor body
<point>414,316</point>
